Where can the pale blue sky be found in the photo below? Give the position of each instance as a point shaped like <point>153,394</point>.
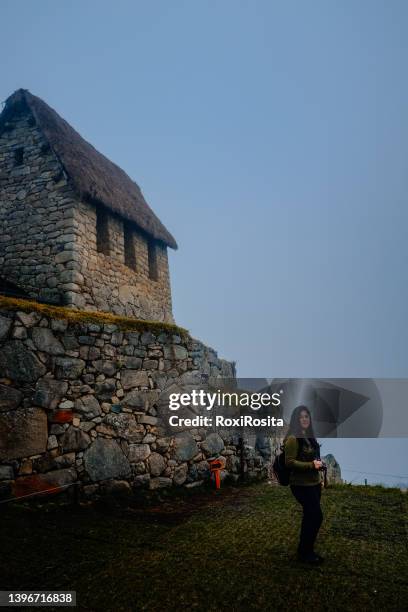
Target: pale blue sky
<point>271,138</point>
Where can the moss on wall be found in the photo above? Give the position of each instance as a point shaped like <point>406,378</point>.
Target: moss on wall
<point>90,316</point>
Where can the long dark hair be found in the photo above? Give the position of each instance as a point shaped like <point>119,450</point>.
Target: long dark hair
<point>296,430</point>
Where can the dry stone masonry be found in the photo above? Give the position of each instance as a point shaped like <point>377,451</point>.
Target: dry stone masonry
<point>85,402</point>
<point>76,231</point>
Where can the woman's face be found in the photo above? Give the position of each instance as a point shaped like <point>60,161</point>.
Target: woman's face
<point>304,420</point>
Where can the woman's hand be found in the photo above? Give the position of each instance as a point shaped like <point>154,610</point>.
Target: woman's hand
<point>318,464</point>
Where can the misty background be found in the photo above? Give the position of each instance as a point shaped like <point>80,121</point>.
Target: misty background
<point>271,138</point>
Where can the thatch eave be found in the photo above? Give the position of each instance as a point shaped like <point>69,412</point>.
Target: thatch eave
<point>92,175</point>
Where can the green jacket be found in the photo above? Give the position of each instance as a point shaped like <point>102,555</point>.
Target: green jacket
<point>303,471</point>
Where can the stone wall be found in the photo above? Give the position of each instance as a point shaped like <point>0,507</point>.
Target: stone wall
<point>36,214</point>
<point>85,403</point>
<point>48,244</point>
<point>107,284</point>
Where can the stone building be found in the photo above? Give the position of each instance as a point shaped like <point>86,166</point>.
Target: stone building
<point>333,469</point>
<point>84,401</point>
<point>76,230</point>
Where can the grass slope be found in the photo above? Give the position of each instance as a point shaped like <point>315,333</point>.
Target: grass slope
<point>227,550</point>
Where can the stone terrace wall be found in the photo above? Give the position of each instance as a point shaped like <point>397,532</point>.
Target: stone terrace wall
<point>81,402</point>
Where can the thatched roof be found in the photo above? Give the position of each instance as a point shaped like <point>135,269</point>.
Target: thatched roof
<point>93,175</point>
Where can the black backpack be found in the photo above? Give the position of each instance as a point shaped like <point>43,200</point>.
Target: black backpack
<point>280,470</point>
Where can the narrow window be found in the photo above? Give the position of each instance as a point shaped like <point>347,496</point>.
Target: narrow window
<point>18,156</point>
<point>152,257</point>
<point>102,232</point>
<point>130,255</point>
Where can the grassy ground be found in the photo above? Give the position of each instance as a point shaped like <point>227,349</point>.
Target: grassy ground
<point>227,550</point>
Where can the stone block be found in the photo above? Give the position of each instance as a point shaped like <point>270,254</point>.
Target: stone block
<point>59,325</point>
<point>19,363</point>
<point>150,364</point>
<point>69,367</point>
<point>23,432</point>
<point>117,338</point>
<point>148,420</point>
<point>132,363</point>
<point>138,452</point>
<point>105,459</point>
<point>160,482</point>
<point>149,438</point>
<point>63,461</point>
<point>52,442</point>
<point>88,340</point>
<point>70,342</point>
<point>106,389</point>
<point>28,319</point>
<point>212,445</point>
<point>105,430</point>
<point>135,399</point>
<point>134,378</point>
<point>74,440</point>
<point>175,352</point>
<point>185,447</point>
<point>49,392</point>
<point>147,338</point>
<point>46,342</point>
<point>109,368</point>
<point>156,464</point>
<point>20,333</point>
<point>180,474</point>
<point>162,444</point>
<point>125,426</point>
<point>88,406</point>
<point>132,338</point>
<point>10,398</point>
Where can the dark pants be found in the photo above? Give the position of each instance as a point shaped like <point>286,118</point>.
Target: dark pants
<point>309,498</point>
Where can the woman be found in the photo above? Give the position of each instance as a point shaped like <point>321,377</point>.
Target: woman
<point>302,456</point>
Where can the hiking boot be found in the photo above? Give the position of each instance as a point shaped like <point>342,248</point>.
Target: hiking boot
<point>311,558</point>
